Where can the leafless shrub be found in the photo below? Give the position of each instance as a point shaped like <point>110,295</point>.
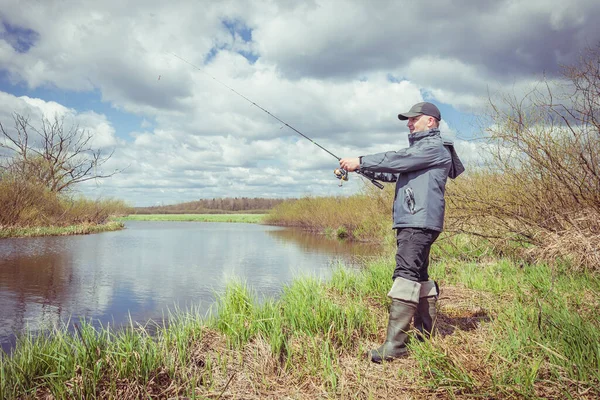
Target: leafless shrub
<point>37,168</point>
<point>53,155</point>
<point>19,200</point>
<point>541,185</point>
<point>85,211</point>
<point>26,203</point>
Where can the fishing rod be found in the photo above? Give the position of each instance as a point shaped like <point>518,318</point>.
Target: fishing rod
<point>340,173</point>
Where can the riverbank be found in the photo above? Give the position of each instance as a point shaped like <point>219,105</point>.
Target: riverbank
<point>242,218</point>
<point>363,217</point>
<point>80,229</point>
<point>117,223</point>
<point>505,330</point>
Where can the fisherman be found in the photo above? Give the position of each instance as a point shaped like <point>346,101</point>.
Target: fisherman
<point>420,172</point>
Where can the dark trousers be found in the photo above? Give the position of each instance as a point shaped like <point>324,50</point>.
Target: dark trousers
<point>412,255</point>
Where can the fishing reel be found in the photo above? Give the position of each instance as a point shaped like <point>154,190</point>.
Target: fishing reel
<point>341,174</point>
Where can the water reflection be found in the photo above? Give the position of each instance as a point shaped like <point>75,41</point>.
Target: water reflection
<point>149,267</point>
<point>320,243</point>
<point>33,285</point>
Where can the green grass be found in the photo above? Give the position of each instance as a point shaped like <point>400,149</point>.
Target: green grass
<point>246,218</point>
<point>510,331</point>
<point>82,229</point>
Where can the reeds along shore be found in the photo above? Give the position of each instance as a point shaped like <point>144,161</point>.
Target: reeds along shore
<point>504,331</point>
<point>80,229</point>
<point>29,208</point>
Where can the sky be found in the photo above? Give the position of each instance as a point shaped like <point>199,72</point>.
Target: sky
<point>338,71</point>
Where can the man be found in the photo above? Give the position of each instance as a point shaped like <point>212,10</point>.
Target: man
<point>420,172</point>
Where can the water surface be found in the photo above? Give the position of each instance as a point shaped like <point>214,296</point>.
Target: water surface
<point>151,267</point>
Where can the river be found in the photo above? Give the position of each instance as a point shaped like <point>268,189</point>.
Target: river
<point>149,268</point>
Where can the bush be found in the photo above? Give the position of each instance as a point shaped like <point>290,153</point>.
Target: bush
<point>81,210</point>
<point>541,183</point>
<point>366,216</point>
<point>25,203</point>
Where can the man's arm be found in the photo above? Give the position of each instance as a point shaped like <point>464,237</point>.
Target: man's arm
<point>405,160</point>
<point>352,164</point>
<point>380,176</point>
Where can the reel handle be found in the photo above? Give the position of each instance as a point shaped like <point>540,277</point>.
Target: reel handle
<point>341,173</point>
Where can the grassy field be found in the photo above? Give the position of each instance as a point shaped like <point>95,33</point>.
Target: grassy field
<point>81,229</point>
<point>247,218</point>
<point>505,330</point>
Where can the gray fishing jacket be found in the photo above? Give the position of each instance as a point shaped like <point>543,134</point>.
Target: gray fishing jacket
<point>420,172</point>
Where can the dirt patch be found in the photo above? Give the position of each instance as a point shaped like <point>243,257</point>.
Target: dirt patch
<point>461,308</point>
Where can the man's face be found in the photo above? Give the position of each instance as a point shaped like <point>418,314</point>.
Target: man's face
<point>418,123</point>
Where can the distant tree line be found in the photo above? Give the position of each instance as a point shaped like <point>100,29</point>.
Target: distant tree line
<point>214,206</point>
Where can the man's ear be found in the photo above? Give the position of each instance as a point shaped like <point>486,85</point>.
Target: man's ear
<point>430,122</point>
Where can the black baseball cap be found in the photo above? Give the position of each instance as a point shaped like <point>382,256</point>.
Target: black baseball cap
<point>423,108</point>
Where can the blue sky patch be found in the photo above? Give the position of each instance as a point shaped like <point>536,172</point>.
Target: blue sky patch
<point>464,124</point>
<point>123,122</point>
<point>237,29</point>
<point>212,53</point>
<point>21,39</point>
<point>391,78</point>
<point>251,57</point>
<point>240,28</point>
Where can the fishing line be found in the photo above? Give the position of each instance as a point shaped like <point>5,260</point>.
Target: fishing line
<point>340,173</point>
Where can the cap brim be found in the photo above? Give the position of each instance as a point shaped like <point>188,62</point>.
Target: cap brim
<point>405,116</point>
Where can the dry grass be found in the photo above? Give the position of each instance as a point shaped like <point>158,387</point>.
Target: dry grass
<point>80,229</point>
<point>580,247</point>
<point>216,371</point>
<point>26,204</point>
<point>362,217</point>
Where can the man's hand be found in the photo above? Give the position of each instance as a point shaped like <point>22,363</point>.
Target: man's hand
<point>350,164</point>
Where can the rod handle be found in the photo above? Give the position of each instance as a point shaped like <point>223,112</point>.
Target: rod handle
<point>373,181</point>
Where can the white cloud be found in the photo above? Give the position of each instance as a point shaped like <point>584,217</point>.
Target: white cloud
<point>37,110</point>
<point>32,107</point>
<point>339,72</point>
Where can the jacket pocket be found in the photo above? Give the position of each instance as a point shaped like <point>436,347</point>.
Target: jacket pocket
<point>409,200</point>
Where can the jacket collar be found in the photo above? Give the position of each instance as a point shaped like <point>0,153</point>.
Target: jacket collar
<point>415,137</point>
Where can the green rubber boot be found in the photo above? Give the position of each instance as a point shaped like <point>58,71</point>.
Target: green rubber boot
<point>405,295</point>
<point>426,313</point>
<point>401,313</point>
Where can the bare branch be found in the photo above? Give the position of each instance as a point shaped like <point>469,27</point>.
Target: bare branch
<point>52,155</point>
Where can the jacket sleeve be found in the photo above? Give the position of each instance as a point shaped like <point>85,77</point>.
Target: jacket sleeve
<point>380,176</point>
<point>405,160</point>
